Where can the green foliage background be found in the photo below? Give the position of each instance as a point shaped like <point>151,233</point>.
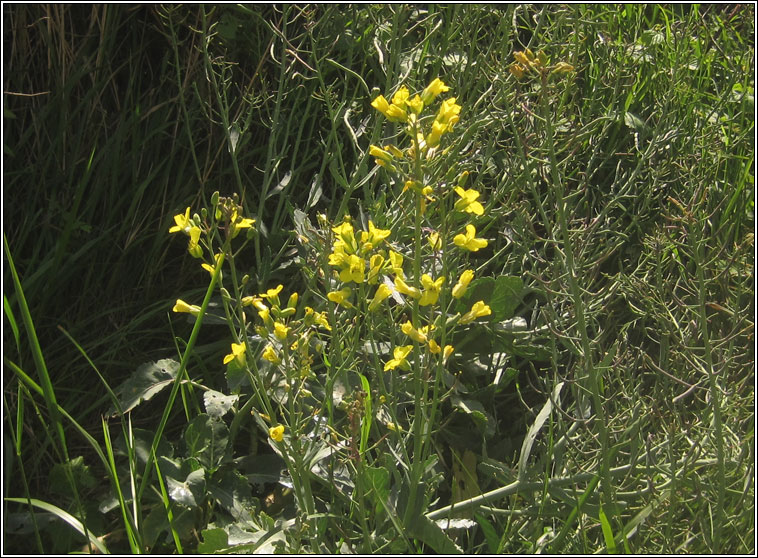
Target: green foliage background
<point>117,117</point>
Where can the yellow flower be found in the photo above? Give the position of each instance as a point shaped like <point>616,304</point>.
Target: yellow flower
<point>396,262</point>
<point>405,289</point>
<point>238,223</point>
<point>400,355</point>
<point>374,235</point>
<point>469,240</point>
<point>395,111</point>
<point>341,296</point>
<point>269,354</point>
<point>447,351</point>
<point>517,70</point>
<point>382,292</point>
<point>237,355</point>
<point>433,139</point>
<point>460,287</point>
<point>435,241</point>
<point>379,153</point>
<point>276,433</point>
<point>182,306</point>
<point>376,264</point>
<point>394,427</point>
<point>478,310</point>
<point>431,290</point>
<point>281,331</point>
<point>353,270</point>
<point>265,315</point>
<point>416,105</point>
<point>193,247</point>
<point>432,90</point>
<point>523,58</point>
<point>448,113</point>
<point>345,239</point>
<point>401,97</point>
<point>413,333</point>
<point>563,68</point>
<point>272,295</point>
<point>435,349</point>
<point>183,223</point>
<point>318,318</point>
<point>468,201</point>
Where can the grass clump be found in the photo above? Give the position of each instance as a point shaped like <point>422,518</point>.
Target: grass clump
<point>443,279</point>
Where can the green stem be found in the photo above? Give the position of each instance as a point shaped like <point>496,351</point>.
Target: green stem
<point>576,293</point>
<point>181,372</point>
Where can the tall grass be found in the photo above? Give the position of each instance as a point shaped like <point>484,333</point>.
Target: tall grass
<point>613,411</point>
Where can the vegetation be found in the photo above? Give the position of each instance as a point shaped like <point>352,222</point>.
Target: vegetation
<point>379,279</point>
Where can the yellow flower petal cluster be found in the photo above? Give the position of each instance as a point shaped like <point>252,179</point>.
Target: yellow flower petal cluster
<point>182,306</point>
<point>341,297</point>
<point>403,288</point>
<point>478,310</point>
<point>187,226</point>
<point>460,287</point>
<point>446,118</point>
<point>432,90</point>
<point>468,202</point>
<point>347,252</point>
<point>394,112</point>
<point>269,354</point>
<point>431,291</point>
<point>399,360</point>
<point>237,356</point>
<point>469,240</point>
<point>382,292</point>
<point>276,433</point>
<point>527,62</point>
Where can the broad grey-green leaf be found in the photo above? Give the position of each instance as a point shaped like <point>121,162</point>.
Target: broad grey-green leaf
<point>233,492</point>
<point>217,404</point>
<point>190,492</point>
<point>379,481</point>
<point>59,476</point>
<point>206,438</point>
<point>430,533</point>
<point>213,541</point>
<point>147,381</point>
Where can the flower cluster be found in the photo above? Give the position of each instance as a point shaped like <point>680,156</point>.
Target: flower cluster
<point>426,134</point>
<point>190,228</point>
<point>408,110</point>
<point>527,62</point>
<point>288,339</point>
<point>360,259</point>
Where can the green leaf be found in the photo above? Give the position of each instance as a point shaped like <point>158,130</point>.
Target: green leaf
<point>189,493</point>
<point>502,294</point>
<point>531,435</point>
<point>146,382</point>
<point>379,480</point>
<point>141,443</point>
<point>464,484</point>
<point>232,491</point>
<point>59,476</point>
<point>206,438</point>
<point>213,541</point>
<point>65,516</point>
<point>610,543</point>
<point>490,535</point>
<point>428,532</point>
<point>217,404</point>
